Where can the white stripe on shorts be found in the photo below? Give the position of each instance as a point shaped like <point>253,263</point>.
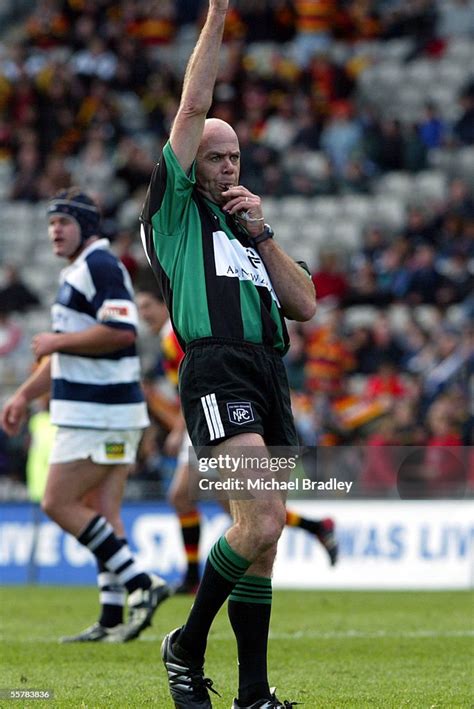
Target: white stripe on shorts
<point>213,417</point>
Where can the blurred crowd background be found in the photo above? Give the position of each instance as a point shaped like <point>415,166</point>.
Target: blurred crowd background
<point>356,123</point>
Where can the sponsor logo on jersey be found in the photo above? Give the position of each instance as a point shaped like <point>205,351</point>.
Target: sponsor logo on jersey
<point>236,261</point>
<point>110,312</point>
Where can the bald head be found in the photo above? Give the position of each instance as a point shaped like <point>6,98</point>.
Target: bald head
<point>217,132</point>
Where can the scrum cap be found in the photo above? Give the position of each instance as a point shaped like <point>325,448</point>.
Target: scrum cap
<point>78,206</point>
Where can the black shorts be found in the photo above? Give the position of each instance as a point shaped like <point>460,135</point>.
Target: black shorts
<point>228,388</point>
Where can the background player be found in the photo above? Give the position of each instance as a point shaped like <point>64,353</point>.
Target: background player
<point>92,368</point>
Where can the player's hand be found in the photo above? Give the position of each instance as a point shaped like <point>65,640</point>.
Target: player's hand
<point>45,343</point>
<point>247,207</point>
<point>173,441</point>
<point>13,414</point>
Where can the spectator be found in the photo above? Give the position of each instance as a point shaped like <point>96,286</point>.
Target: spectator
<point>385,383</point>
<point>341,136</point>
<point>463,129</point>
<point>379,471</point>
<point>364,289</point>
<point>27,173</point>
<point>14,294</point>
<point>449,358</point>
<point>389,146</point>
<point>329,280</point>
<point>425,282</point>
<point>432,128</point>
<point>279,130</point>
<point>314,22</point>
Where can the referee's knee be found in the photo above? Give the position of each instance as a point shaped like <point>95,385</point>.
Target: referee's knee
<point>265,530</point>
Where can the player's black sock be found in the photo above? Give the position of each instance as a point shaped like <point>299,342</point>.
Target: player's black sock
<point>115,554</point>
<point>249,609</point>
<point>309,525</point>
<point>191,532</point>
<point>223,569</point>
<point>112,596</point>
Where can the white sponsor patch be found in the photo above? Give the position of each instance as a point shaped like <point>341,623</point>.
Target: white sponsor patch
<point>117,311</point>
<point>236,261</point>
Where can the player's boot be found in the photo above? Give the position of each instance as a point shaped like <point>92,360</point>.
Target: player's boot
<point>97,633</point>
<point>273,703</point>
<point>187,684</point>
<point>142,604</point>
<point>326,535</point>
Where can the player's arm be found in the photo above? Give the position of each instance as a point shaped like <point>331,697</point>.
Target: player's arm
<point>95,340</point>
<point>293,286</point>
<point>198,86</point>
<point>16,408</point>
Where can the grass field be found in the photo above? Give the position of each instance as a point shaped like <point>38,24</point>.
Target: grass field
<point>328,650</point>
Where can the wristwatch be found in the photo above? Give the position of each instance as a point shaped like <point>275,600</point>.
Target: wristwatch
<point>267,233</point>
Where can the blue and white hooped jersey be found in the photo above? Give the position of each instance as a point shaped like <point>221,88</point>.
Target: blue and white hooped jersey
<point>96,391</point>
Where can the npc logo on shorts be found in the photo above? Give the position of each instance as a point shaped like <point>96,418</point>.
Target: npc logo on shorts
<point>240,412</point>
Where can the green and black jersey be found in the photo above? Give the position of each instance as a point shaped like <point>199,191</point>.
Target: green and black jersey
<point>214,283</point>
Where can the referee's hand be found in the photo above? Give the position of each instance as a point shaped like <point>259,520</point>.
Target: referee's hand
<point>246,207</point>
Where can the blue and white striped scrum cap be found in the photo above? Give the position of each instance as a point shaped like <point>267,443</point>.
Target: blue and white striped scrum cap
<point>77,206</point>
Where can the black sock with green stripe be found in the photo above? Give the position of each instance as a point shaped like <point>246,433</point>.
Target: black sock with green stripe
<point>249,608</point>
<point>224,567</point>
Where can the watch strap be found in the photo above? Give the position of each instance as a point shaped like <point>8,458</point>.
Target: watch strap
<point>267,233</point>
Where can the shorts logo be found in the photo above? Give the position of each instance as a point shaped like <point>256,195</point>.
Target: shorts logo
<point>240,412</point>
<point>114,450</point>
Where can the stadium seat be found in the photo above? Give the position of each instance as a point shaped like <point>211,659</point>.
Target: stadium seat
<point>395,184</point>
<point>444,159</point>
<point>427,315</point>
<point>420,72</point>
<point>444,96</point>
<point>359,316</point>
<point>314,234</point>
<point>325,208</point>
<point>431,184</point>
<point>397,49</point>
<point>272,209</point>
<point>460,49</point>
<point>399,316</point>
<point>466,163</point>
<point>389,211</point>
<point>451,73</point>
<point>295,207</point>
<point>357,208</point>
<point>346,234</point>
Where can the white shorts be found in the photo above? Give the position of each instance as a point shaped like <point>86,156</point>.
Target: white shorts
<point>101,446</point>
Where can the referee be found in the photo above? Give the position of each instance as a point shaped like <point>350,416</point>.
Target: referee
<point>229,287</point>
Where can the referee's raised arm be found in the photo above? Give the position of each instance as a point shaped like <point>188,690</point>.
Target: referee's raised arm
<point>198,86</point>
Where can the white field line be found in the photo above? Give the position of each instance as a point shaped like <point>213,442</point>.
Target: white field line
<point>347,635</point>
<point>305,635</point>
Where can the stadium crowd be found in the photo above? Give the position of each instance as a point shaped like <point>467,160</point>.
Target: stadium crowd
<point>88,91</point>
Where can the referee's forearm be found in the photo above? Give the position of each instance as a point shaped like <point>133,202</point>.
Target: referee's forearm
<point>295,290</point>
